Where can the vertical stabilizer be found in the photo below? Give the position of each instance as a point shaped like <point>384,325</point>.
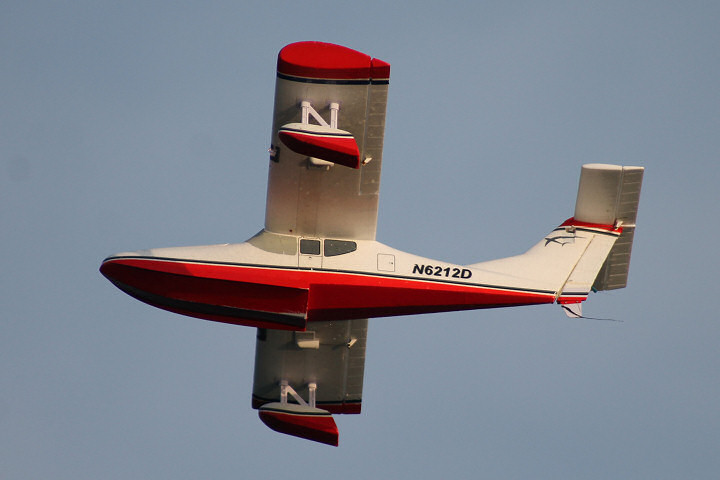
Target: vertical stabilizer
<point>609,195</point>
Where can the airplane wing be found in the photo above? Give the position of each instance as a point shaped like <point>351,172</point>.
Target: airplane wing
<point>328,358</point>
<point>324,180</point>
<point>327,139</point>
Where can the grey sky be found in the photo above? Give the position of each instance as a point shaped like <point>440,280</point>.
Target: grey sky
<point>131,125</point>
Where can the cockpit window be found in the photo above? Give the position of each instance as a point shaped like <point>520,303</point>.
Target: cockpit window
<point>339,247</point>
<point>309,247</point>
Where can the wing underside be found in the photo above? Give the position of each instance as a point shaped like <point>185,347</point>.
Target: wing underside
<point>329,354</point>
<point>329,89</point>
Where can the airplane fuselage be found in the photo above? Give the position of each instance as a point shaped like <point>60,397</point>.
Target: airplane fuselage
<point>284,281</point>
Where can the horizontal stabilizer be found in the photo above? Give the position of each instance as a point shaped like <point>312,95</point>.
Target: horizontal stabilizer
<point>300,421</point>
<point>323,142</point>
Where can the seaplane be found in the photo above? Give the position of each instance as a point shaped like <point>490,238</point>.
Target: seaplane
<point>313,276</point>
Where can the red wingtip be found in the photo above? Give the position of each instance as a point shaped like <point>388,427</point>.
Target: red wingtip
<point>329,62</point>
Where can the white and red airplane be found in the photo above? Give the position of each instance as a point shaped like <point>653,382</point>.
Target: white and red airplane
<point>313,276</point>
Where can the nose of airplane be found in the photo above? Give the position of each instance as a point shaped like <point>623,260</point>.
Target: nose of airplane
<point>171,279</point>
<point>113,266</point>
<point>106,268</point>
<point>127,271</point>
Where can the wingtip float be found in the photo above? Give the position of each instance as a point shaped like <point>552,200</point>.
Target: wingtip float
<point>313,276</point>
